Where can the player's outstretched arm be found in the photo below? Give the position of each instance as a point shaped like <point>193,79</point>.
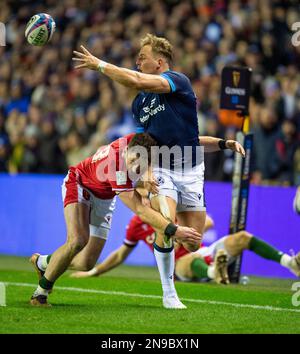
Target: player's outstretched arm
<point>129,78</point>
<point>113,260</point>
<point>151,217</point>
<point>212,144</point>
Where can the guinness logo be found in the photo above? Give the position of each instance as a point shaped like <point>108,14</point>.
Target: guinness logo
<point>236,75</point>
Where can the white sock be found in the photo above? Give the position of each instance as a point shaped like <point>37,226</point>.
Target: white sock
<point>166,266</point>
<point>40,291</point>
<point>42,262</point>
<point>285,260</point>
<point>211,272</point>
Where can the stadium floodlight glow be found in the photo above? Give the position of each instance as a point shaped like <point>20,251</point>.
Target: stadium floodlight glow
<point>2,35</point>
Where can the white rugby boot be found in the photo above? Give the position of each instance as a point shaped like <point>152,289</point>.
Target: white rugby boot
<point>173,302</point>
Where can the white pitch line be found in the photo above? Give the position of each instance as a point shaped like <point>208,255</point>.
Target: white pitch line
<point>122,293</point>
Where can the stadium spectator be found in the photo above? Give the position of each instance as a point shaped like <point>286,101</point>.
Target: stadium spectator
<point>39,82</point>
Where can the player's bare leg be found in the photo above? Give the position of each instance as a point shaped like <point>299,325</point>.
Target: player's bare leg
<point>84,261</point>
<point>194,219</point>
<point>242,240</point>
<point>87,258</point>
<point>192,266</point>
<point>77,222</point>
<point>164,253</point>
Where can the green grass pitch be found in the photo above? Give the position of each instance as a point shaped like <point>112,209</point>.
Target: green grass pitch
<point>127,300</point>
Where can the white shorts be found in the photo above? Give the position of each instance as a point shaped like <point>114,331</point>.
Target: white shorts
<point>213,248</point>
<point>101,210</point>
<point>187,188</point>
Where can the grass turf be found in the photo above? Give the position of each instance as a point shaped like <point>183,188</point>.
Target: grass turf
<point>83,312</point>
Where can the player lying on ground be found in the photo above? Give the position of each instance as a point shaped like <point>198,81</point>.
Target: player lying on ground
<point>193,266</point>
<point>206,263</point>
<point>89,200</point>
<point>165,106</point>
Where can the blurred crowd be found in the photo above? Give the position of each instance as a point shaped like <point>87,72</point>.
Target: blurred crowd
<point>53,116</point>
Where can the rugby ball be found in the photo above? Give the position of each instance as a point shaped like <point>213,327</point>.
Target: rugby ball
<point>39,29</point>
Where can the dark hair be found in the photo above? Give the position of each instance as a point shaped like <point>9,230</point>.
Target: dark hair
<point>145,140</point>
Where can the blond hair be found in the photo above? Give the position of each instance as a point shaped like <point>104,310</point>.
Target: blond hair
<point>159,45</point>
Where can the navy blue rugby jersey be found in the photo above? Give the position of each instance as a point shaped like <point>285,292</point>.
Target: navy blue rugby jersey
<point>171,118</point>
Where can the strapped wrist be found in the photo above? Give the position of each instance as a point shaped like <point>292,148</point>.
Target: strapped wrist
<point>101,66</point>
<point>171,230</point>
<point>222,144</point>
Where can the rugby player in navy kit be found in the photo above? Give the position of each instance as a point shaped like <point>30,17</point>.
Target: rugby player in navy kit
<point>165,107</point>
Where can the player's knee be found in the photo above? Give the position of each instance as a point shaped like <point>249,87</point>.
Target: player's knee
<point>76,245</point>
<point>87,265</point>
<point>242,239</point>
<point>191,247</point>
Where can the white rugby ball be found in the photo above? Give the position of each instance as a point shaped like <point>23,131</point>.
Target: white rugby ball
<point>39,29</point>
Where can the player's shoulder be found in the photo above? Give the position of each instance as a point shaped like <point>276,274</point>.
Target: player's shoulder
<point>177,81</point>
<point>176,75</point>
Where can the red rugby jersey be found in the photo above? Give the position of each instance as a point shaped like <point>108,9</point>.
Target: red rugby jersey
<point>104,173</point>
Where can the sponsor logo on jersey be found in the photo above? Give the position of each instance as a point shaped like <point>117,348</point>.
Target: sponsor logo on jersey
<point>151,111</point>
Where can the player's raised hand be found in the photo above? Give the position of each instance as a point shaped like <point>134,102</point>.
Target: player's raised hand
<point>86,59</point>
<point>188,235</point>
<point>235,146</point>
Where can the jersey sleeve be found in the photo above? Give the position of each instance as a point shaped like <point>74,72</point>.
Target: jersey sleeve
<point>130,239</point>
<point>177,81</point>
